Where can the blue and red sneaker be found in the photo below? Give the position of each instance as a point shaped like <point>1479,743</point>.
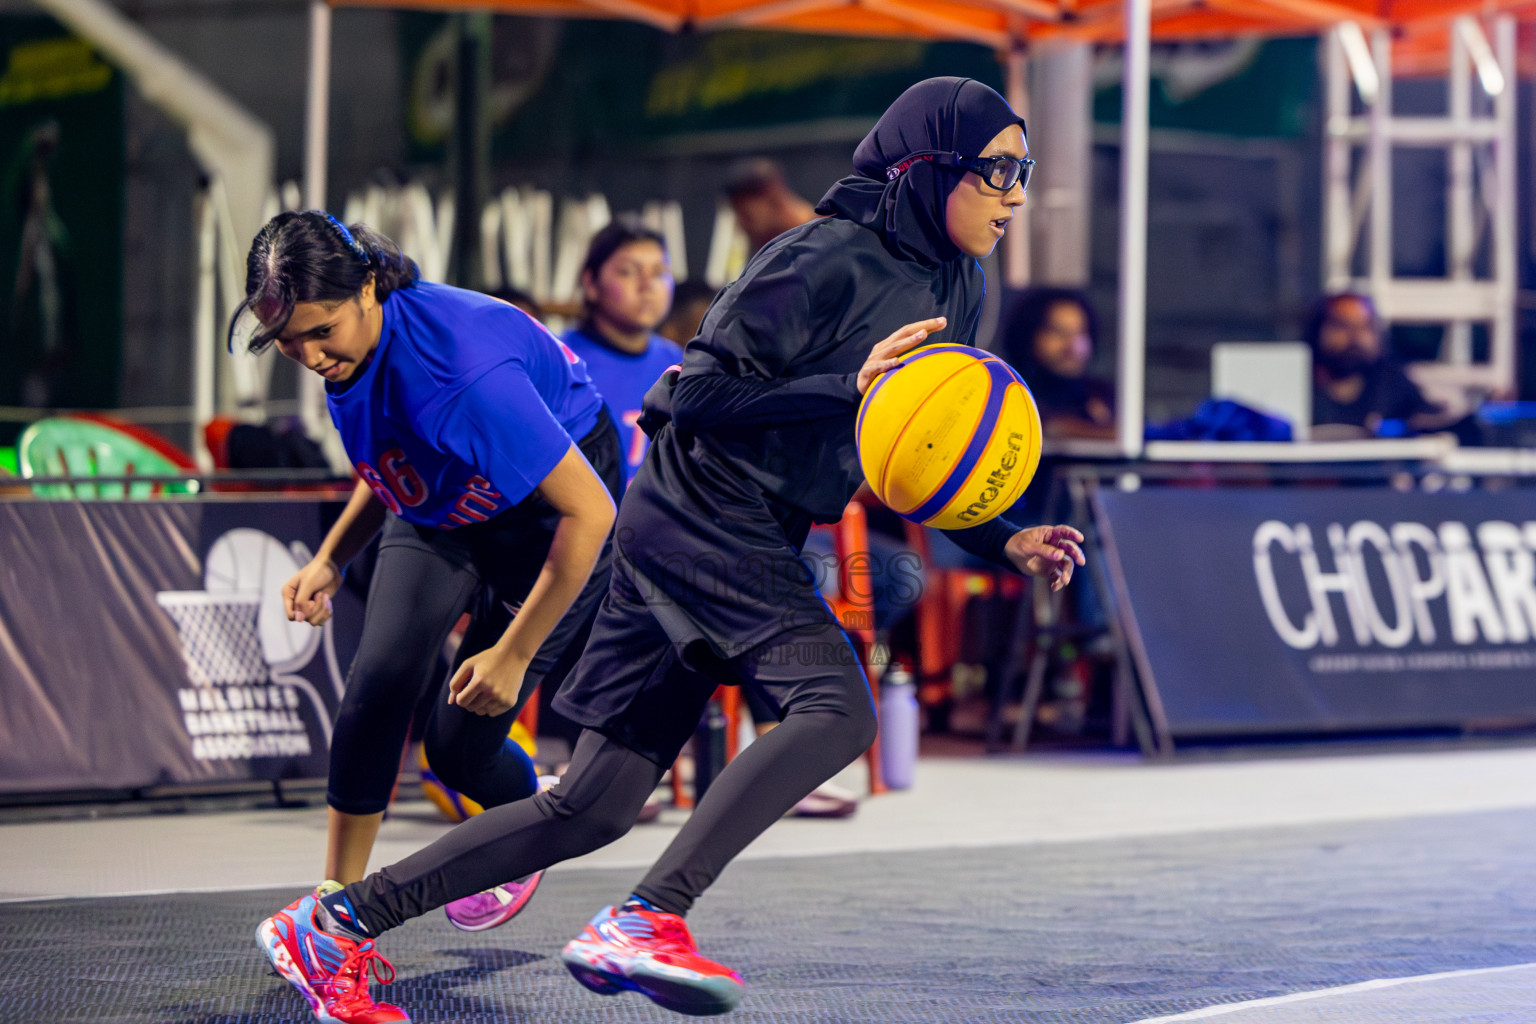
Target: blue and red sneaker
<point>494,906</point>
<point>651,952</point>
<point>329,970</point>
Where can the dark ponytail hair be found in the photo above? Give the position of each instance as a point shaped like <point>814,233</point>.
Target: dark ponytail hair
<point>310,256</point>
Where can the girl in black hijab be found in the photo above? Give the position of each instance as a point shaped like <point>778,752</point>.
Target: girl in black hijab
<point>752,443</point>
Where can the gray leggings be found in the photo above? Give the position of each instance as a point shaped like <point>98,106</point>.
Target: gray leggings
<point>828,721</point>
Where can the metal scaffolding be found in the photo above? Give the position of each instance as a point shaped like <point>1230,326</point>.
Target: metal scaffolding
<point>1478,137</point>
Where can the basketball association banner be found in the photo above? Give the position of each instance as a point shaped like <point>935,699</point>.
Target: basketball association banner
<point>145,644</point>
<point>1270,611</point>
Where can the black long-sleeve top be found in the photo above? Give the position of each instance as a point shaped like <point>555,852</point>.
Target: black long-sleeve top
<point>768,388</point>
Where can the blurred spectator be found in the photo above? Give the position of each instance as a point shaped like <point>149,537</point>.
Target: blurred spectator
<point>690,301</point>
<point>1357,389</point>
<point>1049,339</point>
<point>277,444</point>
<point>764,204</point>
<point>626,288</point>
<point>521,299</point>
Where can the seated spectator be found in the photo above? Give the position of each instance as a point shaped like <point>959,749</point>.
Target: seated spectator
<point>690,301</point>
<point>1049,339</point>
<point>626,290</point>
<point>1356,386</point>
<point>764,204</point>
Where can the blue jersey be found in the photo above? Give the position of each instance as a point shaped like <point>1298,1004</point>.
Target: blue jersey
<point>465,407</point>
<point>624,379</point>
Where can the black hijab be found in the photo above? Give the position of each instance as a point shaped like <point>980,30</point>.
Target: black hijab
<point>942,115</point>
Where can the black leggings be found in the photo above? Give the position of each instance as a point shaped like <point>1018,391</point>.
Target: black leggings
<point>828,721</point>
<point>423,581</point>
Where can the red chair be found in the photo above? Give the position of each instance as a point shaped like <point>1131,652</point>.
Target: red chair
<point>940,613</point>
<point>216,439</point>
<point>730,704</point>
<point>854,607</point>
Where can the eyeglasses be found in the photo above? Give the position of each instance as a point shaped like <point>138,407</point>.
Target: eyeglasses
<point>999,172</point>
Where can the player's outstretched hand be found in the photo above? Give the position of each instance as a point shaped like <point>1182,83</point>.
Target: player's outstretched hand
<point>307,594</point>
<point>885,355</point>
<point>487,683</point>
<point>1049,551</point>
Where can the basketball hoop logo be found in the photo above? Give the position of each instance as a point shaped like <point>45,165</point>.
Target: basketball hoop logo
<point>242,655</point>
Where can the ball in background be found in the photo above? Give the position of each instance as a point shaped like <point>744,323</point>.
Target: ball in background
<point>453,805</point>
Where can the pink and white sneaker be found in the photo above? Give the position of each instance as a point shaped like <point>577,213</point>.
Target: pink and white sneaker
<point>495,906</point>
<point>501,903</point>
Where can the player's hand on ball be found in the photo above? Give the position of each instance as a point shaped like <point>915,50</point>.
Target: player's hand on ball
<point>487,683</point>
<point>1049,551</point>
<point>307,594</point>
<point>887,353</point>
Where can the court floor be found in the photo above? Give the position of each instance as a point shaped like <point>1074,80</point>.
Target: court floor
<point>1374,887</point>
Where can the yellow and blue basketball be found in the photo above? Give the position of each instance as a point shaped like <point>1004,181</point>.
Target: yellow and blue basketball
<point>455,806</point>
<point>949,437</point>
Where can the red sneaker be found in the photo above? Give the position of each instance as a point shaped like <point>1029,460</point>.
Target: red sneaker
<point>651,952</point>
<point>329,970</point>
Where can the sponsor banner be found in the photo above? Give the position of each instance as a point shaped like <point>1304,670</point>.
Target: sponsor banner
<point>145,643</point>
<point>1277,610</point>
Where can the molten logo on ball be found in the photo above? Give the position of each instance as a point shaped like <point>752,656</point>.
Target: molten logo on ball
<point>995,483</point>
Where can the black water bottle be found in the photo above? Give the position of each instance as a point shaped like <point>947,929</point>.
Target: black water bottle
<point>708,749</point>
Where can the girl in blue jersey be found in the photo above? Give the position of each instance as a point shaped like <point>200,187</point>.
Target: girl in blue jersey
<point>752,441</point>
<point>486,455</point>
<point>626,285</point>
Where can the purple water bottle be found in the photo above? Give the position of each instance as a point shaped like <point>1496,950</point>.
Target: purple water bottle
<point>898,727</point>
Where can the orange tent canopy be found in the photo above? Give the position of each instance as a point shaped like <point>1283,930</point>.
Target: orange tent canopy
<point>1001,23</point>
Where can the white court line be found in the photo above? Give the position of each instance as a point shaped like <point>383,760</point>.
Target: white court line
<point>1323,993</point>
<point>196,890</point>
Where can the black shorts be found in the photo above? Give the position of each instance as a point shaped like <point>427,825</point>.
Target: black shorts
<point>707,589</point>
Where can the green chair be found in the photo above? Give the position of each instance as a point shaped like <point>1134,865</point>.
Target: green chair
<point>76,446</point>
<point>8,462</point>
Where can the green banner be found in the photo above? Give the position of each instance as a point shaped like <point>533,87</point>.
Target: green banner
<point>1249,88</point>
<point>578,87</point>
<point>568,89</point>
<point>61,219</point>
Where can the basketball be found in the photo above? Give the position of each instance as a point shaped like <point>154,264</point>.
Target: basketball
<point>949,437</point>
<point>455,806</point>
